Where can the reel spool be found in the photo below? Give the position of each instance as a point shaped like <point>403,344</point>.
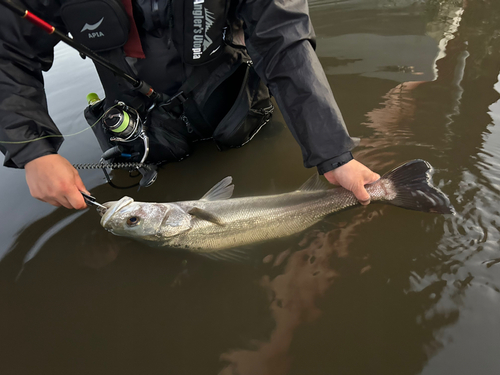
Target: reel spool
<point>123,123</point>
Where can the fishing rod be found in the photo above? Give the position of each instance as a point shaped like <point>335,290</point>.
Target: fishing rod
<point>124,122</point>
<point>140,86</point>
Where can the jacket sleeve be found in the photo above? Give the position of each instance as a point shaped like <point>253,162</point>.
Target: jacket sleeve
<point>25,51</point>
<point>280,39</point>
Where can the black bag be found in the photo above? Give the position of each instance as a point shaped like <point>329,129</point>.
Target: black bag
<point>251,110</point>
<point>100,25</point>
<point>225,100</point>
<point>230,105</point>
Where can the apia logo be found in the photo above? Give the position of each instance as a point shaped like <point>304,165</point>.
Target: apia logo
<point>93,26</point>
<point>96,34</point>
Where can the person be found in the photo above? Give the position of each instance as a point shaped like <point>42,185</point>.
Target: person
<point>278,36</point>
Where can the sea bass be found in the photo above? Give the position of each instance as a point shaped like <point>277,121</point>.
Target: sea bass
<point>215,222</point>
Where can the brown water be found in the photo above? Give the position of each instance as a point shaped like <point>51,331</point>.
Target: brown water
<point>375,290</point>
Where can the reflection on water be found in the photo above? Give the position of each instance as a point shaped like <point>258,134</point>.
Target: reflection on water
<point>306,273</point>
<point>374,290</point>
<point>293,294</point>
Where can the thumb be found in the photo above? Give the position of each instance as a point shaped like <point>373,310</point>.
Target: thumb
<point>361,195</point>
<point>374,177</point>
<point>79,184</point>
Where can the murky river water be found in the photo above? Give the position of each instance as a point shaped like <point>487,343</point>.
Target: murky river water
<point>375,290</point>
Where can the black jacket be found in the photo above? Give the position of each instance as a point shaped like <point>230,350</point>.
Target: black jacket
<point>279,37</point>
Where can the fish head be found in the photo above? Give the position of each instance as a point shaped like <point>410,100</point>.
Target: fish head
<point>143,221</point>
<point>175,222</point>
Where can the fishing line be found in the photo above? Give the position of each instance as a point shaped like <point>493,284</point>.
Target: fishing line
<point>56,135</point>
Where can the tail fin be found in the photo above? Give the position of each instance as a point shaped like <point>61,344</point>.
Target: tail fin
<point>414,189</point>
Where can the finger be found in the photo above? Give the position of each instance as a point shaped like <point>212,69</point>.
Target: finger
<point>362,195</point>
<point>81,187</point>
<point>374,177</point>
<point>365,203</point>
<point>65,202</point>
<point>331,178</point>
<point>53,202</point>
<point>75,199</point>
<point>79,184</point>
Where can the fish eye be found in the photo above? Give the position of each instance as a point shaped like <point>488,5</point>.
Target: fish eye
<point>134,220</point>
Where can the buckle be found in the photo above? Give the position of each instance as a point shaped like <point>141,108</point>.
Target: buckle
<point>175,100</point>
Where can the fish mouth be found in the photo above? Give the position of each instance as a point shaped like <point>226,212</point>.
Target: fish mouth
<point>112,208</point>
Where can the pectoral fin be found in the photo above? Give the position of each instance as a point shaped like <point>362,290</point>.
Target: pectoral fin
<point>205,215</point>
<point>229,255</point>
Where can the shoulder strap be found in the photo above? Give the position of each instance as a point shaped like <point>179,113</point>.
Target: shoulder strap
<point>194,80</point>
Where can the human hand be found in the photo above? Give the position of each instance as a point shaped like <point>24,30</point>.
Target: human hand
<point>353,176</point>
<point>53,179</point>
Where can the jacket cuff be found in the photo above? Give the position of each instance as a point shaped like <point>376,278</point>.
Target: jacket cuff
<point>19,158</point>
<point>334,163</point>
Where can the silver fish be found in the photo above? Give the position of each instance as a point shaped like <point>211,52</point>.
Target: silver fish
<point>215,222</point>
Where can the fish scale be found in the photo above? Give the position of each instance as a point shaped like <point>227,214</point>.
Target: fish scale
<point>248,224</point>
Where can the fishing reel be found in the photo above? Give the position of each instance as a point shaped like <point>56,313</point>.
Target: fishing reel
<point>126,128</point>
<point>125,125</point>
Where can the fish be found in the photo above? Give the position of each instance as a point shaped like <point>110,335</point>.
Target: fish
<point>217,223</point>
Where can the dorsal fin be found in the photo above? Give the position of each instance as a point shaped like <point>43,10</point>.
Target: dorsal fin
<point>314,183</point>
<point>221,190</point>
